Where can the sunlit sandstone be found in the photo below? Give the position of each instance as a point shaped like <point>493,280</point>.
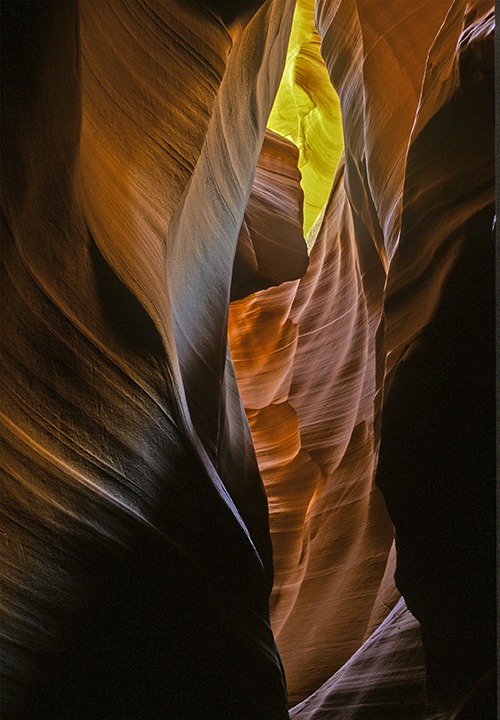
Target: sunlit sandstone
<point>153,170</point>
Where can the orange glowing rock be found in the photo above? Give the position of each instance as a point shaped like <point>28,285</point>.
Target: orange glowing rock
<point>185,479</point>
<point>372,328</point>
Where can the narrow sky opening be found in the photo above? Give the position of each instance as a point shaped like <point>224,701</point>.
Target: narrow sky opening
<point>307,112</point>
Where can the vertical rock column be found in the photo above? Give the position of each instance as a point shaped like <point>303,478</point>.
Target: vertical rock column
<point>137,564</point>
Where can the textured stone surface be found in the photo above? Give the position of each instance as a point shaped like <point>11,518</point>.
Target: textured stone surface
<point>386,346</point>
<point>304,356</point>
<point>137,562</point>
<point>185,479</point>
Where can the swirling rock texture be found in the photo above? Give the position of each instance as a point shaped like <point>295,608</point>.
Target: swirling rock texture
<point>141,193</point>
<point>138,560</point>
<point>378,367</point>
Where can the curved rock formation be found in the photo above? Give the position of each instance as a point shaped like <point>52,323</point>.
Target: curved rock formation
<point>138,563</point>
<point>384,329</point>
<point>141,193</point>
<point>271,247</point>
<point>445,352</point>
<point>304,356</point>
<point>385,678</point>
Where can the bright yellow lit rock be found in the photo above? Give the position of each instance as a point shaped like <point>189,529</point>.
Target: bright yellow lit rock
<point>307,112</point>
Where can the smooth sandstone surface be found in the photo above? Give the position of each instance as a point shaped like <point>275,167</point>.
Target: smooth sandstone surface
<point>138,560</point>
<point>312,419</point>
<point>247,382</point>
<point>368,373</point>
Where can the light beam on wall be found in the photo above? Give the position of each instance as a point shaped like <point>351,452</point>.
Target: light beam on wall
<point>307,112</point>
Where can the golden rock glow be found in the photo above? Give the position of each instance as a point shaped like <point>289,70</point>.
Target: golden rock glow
<point>146,465</point>
<point>307,112</point>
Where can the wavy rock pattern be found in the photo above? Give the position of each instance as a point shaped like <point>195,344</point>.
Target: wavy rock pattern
<point>391,661</point>
<point>365,332</point>
<point>141,193</point>
<point>122,425</point>
<point>271,247</point>
<point>312,420</point>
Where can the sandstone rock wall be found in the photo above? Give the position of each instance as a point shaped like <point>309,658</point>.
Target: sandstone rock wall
<point>185,479</point>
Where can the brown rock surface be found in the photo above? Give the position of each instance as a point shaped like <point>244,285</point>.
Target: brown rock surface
<point>304,355</point>
<point>408,331</point>
<point>137,560</point>
<point>140,193</point>
<point>271,247</point>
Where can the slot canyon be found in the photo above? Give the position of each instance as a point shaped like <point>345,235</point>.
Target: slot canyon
<point>248,360</point>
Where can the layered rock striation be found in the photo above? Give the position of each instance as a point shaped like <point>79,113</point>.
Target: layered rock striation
<point>137,565</point>
<point>377,368</point>
<point>186,478</point>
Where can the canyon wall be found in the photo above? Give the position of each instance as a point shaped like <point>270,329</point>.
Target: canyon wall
<point>223,440</point>
<point>379,371</point>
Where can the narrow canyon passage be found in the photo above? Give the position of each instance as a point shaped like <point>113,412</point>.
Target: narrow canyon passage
<point>248,360</point>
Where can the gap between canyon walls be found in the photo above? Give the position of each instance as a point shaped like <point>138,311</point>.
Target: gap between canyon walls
<point>137,555</point>
<point>376,349</point>
<point>305,360</point>
<point>141,191</point>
